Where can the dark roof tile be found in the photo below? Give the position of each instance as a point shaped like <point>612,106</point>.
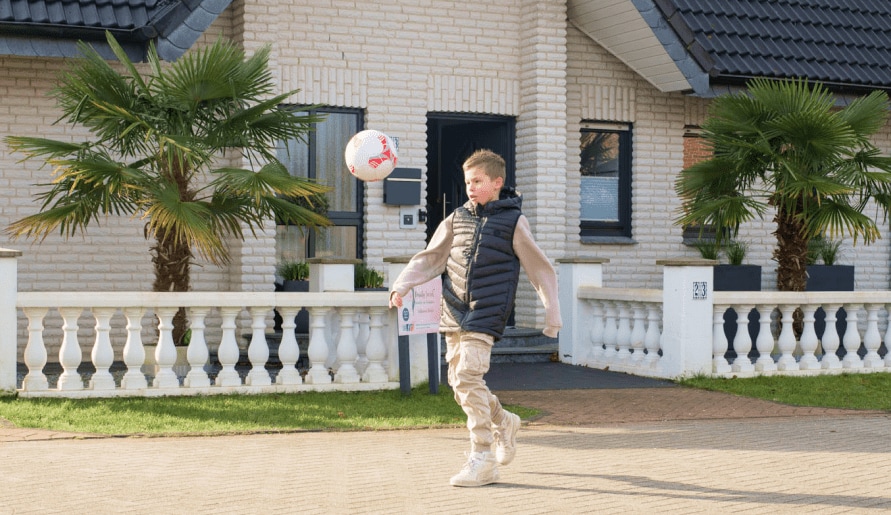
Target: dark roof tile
<point>843,41</point>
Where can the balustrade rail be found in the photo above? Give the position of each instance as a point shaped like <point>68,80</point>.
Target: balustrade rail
<point>744,333</point>
<point>347,343</point>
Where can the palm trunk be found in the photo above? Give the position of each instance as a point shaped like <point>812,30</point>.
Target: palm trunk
<point>172,260</point>
<point>791,258</point>
<point>790,253</point>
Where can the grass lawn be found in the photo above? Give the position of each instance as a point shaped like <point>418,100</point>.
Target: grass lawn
<point>851,391</point>
<point>310,411</point>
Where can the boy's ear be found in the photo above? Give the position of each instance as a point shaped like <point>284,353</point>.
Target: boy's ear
<point>499,182</point>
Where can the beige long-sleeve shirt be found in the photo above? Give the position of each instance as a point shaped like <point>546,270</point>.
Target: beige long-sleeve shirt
<point>431,263</point>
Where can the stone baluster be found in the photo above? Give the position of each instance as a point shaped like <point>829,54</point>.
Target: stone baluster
<point>786,341</point>
<point>872,340</point>
<point>70,352</point>
<point>376,350</point>
<point>197,354</point>
<point>288,350</point>
<point>362,331</point>
<point>595,353</point>
<point>638,333</point>
<point>35,351</point>
<point>623,333</point>
<point>808,341</point>
<point>610,333</point>
<point>258,349</point>
<point>346,348</point>
<point>742,342</point>
<point>653,338</point>
<point>764,342</point>
<point>888,337</point>
<point>227,352</point>
<point>719,341</point>
<point>830,340</point>
<point>102,353</point>
<point>165,352</point>
<point>134,352</point>
<point>851,340</point>
<point>318,348</point>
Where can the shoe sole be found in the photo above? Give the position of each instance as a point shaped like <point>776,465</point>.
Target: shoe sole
<point>471,484</point>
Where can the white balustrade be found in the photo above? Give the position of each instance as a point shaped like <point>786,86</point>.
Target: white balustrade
<point>288,350</point>
<point>830,341</point>
<point>742,342</point>
<point>871,339</point>
<point>35,352</point>
<point>851,340</point>
<point>102,354</point>
<point>764,342</point>
<point>808,341</point>
<point>720,345</point>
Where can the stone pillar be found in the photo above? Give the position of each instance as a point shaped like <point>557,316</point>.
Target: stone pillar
<point>574,338</point>
<point>8,317</point>
<point>687,304</point>
<point>417,343</point>
<point>331,274</point>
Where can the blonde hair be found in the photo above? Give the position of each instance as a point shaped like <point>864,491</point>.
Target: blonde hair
<point>491,163</point>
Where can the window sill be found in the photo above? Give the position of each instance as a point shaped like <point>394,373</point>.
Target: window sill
<point>608,240</point>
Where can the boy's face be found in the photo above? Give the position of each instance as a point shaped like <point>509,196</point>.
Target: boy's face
<point>480,188</point>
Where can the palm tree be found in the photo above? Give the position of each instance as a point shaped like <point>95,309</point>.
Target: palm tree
<point>155,152</point>
<point>782,146</point>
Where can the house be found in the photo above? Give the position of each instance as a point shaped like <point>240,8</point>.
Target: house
<point>543,82</point>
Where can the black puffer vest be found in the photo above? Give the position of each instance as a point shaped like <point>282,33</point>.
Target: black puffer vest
<point>482,271</point>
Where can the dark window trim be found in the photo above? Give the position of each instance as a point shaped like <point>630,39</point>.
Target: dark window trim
<point>622,228</point>
<point>338,218</point>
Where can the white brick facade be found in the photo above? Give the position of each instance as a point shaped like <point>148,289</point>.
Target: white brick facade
<point>398,61</point>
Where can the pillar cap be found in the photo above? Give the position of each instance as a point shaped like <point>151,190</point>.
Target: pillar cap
<point>8,253</point>
<point>686,261</point>
<point>583,260</point>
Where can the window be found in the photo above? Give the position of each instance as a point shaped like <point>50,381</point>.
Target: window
<point>320,157</point>
<point>605,181</point>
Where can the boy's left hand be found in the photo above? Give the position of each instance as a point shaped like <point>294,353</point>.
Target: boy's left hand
<point>395,300</point>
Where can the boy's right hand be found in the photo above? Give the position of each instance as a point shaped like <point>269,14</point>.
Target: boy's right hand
<point>395,300</point>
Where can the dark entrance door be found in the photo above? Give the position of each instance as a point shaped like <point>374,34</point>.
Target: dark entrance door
<point>451,138</point>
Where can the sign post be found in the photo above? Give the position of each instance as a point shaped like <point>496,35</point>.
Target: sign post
<point>419,314</point>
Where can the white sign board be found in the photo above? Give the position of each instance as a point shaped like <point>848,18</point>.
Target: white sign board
<point>421,308</point>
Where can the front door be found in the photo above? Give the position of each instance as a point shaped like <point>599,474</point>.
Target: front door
<point>451,138</point>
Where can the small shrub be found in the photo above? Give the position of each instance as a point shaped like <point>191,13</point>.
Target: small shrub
<point>293,270</point>
<point>367,277</point>
<point>736,252</point>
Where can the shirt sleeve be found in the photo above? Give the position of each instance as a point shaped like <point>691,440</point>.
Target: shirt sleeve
<point>541,274</point>
<point>428,263</point>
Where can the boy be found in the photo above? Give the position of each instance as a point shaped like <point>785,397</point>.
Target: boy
<point>481,246</point>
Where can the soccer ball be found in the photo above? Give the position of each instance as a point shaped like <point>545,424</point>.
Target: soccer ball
<point>370,155</point>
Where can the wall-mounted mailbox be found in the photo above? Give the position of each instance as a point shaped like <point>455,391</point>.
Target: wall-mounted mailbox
<point>403,187</point>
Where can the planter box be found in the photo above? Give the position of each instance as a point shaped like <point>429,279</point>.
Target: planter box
<point>737,278</point>
<point>830,278</point>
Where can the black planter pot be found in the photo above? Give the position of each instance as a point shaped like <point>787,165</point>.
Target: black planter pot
<point>738,278</point>
<point>302,319</point>
<point>830,278</point>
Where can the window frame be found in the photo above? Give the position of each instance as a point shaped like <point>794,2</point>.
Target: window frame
<point>595,231</point>
<point>337,218</point>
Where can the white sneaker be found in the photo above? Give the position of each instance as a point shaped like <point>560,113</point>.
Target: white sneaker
<point>506,438</point>
<point>479,470</point>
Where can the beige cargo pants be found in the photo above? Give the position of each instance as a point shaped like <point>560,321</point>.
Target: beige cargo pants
<point>468,355</point>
